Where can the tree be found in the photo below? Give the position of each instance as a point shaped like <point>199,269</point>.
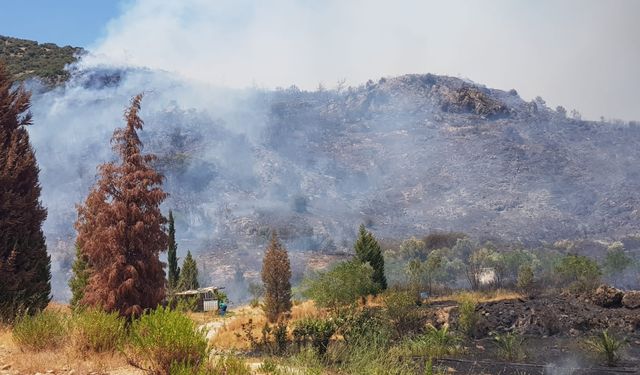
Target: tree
<point>172,259</point>
<point>580,273</point>
<point>79,280</point>
<point>121,230</point>
<point>25,266</point>
<point>342,285</point>
<point>368,251</point>
<point>189,274</point>
<point>616,261</point>
<point>276,277</point>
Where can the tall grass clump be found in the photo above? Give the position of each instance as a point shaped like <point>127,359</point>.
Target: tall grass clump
<point>97,331</point>
<point>434,343</point>
<point>606,346</point>
<point>164,337</point>
<point>468,316</point>
<point>46,330</point>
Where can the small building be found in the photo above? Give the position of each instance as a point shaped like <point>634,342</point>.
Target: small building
<point>207,298</point>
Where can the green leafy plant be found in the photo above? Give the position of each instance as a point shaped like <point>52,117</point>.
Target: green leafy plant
<point>468,316</point>
<point>97,331</point>
<point>607,346</point>
<point>164,337</point>
<point>43,331</point>
<point>510,346</point>
<point>402,311</point>
<point>578,272</point>
<point>314,331</point>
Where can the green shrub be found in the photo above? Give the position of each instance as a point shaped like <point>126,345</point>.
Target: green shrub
<point>229,365</point>
<point>314,331</point>
<point>607,347</point>
<point>97,331</point>
<point>402,311</point>
<point>510,346</point>
<point>435,343</point>
<point>44,331</point>
<point>468,316</point>
<point>363,326</point>
<point>164,337</point>
<point>578,272</point>
<point>269,366</point>
<point>525,279</point>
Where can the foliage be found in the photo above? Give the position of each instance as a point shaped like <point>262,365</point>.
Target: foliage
<point>276,277</point>
<point>79,279</point>
<point>256,290</point>
<point>402,311</point>
<point>341,285</point>
<point>616,260</point>
<point>25,266</point>
<point>188,274</point>
<point>97,331</point>
<point>26,59</point>
<point>229,365</point>
<point>314,331</point>
<point>121,228</point>
<point>434,343</point>
<point>440,240</point>
<point>363,326</point>
<point>468,316</point>
<point>43,331</point>
<point>368,250</point>
<point>173,273</point>
<point>510,346</point>
<point>525,278</point>
<point>607,346</point>
<point>164,337</point>
<point>413,248</point>
<point>580,273</point>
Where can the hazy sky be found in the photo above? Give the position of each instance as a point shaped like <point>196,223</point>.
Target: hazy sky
<point>581,54</point>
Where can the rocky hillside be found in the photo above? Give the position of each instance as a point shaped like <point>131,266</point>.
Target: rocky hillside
<point>28,59</point>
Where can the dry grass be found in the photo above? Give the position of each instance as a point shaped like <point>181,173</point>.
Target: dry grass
<point>227,336</point>
<point>479,297</point>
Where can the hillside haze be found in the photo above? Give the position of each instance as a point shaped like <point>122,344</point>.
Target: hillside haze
<point>405,155</point>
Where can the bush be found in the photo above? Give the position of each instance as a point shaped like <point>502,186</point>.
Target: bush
<point>578,272</point>
<point>315,331</point>
<point>163,338</point>
<point>607,347</point>
<point>44,331</point>
<point>402,310</point>
<point>510,346</point>
<point>435,343</point>
<point>97,331</point>
<point>468,316</point>
<point>229,365</point>
<point>363,326</point>
<point>525,279</point>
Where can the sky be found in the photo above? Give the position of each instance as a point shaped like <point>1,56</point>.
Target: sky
<point>582,54</point>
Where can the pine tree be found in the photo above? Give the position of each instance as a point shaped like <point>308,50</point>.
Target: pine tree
<point>189,274</point>
<point>25,266</point>
<point>368,251</point>
<point>276,277</point>
<point>172,259</point>
<point>121,230</point>
<point>80,278</point>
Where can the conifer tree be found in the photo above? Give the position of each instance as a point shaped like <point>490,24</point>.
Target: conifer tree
<point>25,266</point>
<point>121,230</point>
<point>368,251</point>
<point>276,277</point>
<point>79,279</point>
<point>189,274</point>
<point>172,259</point>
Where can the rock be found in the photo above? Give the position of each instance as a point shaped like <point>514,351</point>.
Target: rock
<point>631,299</point>
<point>5,367</point>
<point>607,296</point>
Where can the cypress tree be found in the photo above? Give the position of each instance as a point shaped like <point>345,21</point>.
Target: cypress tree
<point>276,277</point>
<point>172,259</point>
<point>25,266</point>
<point>368,250</point>
<point>80,278</point>
<point>121,230</point>
<point>189,274</point>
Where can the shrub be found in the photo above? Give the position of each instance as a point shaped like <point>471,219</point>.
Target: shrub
<point>97,331</point>
<point>268,366</point>
<point>315,331</point>
<point>525,279</point>
<point>468,316</point>
<point>578,272</point>
<point>607,347</point>
<point>510,346</point>
<point>44,331</point>
<point>162,338</point>
<point>229,365</point>
<point>363,326</point>
<point>435,343</point>
<point>402,311</point>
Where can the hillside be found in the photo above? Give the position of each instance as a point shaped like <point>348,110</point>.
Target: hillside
<point>28,59</point>
<point>406,155</point>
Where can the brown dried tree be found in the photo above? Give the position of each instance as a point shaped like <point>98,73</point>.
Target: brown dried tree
<point>121,230</point>
<point>24,264</point>
<point>276,277</point>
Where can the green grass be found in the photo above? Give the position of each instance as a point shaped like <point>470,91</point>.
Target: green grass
<point>97,331</point>
<point>43,331</point>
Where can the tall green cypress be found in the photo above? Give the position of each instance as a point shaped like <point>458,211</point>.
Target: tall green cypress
<point>368,250</point>
<point>172,259</point>
<point>25,266</point>
<point>189,274</point>
<point>80,278</point>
